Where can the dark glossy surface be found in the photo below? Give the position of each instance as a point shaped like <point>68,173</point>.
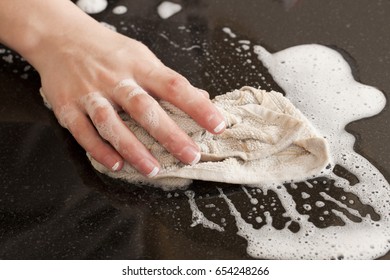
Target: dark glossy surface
<point>53,205</point>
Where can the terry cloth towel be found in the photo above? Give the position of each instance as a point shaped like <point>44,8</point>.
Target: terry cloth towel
<point>267,140</point>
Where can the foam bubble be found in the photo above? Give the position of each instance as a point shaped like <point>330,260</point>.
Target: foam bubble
<point>109,26</point>
<point>8,58</point>
<point>92,6</point>
<point>167,9</point>
<point>228,31</point>
<point>151,119</point>
<point>120,10</point>
<point>67,115</point>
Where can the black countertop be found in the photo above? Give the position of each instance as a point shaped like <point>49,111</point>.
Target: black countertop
<point>53,205</point>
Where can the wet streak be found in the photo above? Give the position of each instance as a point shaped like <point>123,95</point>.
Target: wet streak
<point>325,215</point>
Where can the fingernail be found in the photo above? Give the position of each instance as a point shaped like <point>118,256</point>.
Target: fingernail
<point>153,172</point>
<point>218,121</point>
<point>116,166</point>
<point>112,162</point>
<point>196,159</point>
<point>220,127</point>
<point>148,168</point>
<point>190,155</point>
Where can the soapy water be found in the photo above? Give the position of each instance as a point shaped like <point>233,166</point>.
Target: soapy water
<point>345,215</point>
<point>319,82</point>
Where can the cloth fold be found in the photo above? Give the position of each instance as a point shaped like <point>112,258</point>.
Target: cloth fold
<point>267,140</point>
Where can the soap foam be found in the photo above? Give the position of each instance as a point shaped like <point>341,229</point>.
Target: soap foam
<point>120,10</point>
<point>228,31</point>
<point>198,216</point>
<point>92,6</point>
<point>109,26</point>
<point>151,119</point>
<point>8,58</point>
<point>320,223</point>
<point>167,9</point>
<point>319,82</point>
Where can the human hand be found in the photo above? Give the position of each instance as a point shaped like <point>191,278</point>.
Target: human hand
<point>86,81</point>
<point>88,72</point>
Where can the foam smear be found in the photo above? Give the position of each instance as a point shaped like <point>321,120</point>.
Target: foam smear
<point>198,218</point>
<point>319,82</point>
<point>167,9</point>
<point>120,10</point>
<point>332,218</point>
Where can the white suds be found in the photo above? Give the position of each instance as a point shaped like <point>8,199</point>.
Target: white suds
<point>92,6</point>
<point>109,26</point>
<point>228,31</point>
<point>167,9</point>
<point>319,82</point>
<point>198,217</point>
<point>120,10</point>
<point>8,58</point>
<point>150,118</point>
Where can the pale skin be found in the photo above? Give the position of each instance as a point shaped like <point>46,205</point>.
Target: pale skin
<point>89,72</point>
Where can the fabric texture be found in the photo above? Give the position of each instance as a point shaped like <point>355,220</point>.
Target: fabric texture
<point>267,140</point>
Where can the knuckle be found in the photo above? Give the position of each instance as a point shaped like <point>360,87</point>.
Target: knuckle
<point>101,115</point>
<point>173,141</point>
<point>78,129</point>
<point>134,158</point>
<point>95,148</point>
<point>133,153</point>
<point>142,102</point>
<point>175,84</point>
<point>87,138</point>
<point>66,115</point>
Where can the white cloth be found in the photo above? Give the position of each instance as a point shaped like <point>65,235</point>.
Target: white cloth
<point>267,140</point>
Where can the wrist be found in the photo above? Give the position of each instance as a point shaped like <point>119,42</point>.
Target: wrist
<point>59,29</point>
<point>37,29</point>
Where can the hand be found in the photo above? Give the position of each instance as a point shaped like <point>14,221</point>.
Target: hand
<point>88,72</point>
<point>87,79</point>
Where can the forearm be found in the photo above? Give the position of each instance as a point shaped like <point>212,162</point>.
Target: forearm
<point>33,27</point>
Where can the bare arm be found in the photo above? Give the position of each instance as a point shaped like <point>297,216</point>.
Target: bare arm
<point>88,70</point>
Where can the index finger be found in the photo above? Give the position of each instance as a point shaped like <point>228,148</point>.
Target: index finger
<point>169,85</point>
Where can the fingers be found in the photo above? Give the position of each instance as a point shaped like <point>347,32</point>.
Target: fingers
<point>113,130</point>
<point>174,88</point>
<point>119,142</point>
<point>85,134</point>
<point>145,110</point>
